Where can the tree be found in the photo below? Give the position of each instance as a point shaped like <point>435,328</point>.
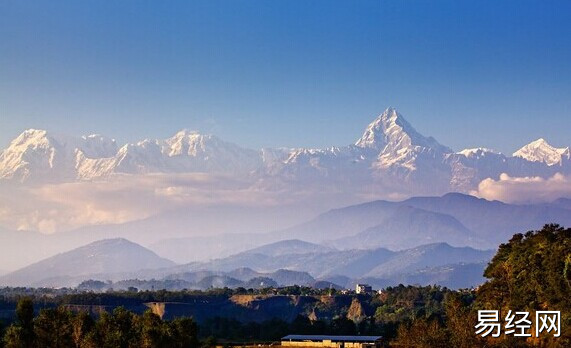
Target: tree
<point>14,337</point>
<point>53,328</point>
<point>21,334</point>
<point>423,333</point>
<point>184,333</point>
<point>153,331</point>
<point>82,324</point>
<point>117,330</point>
<point>531,273</point>
<point>343,326</point>
<point>461,320</point>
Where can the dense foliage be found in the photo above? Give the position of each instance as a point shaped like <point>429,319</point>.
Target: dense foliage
<point>58,327</point>
<point>531,272</point>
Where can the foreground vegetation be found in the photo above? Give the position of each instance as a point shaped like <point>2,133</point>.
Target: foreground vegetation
<point>529,273</point>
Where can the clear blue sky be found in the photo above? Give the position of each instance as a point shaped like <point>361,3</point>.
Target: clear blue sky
<point>288,73</point>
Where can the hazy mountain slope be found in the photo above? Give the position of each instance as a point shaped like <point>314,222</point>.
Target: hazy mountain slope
<point>564,203</point>
<point>454,276</point>
<point>288,247</point>
<point>454,218</point>
<point>281,277</point>
<point>408,227</point>
<point>105,256</point>
<point>202,248</point>
<point>493,221</point>
<point>430,255</point>
<point>341,222</point>
<point>351,263</point>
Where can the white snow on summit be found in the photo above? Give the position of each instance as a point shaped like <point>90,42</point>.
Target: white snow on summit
<point>478,152</point>
<point>36,155</point>
<point>391,130</point>
<point>541,151</point>
<point>390,156</point>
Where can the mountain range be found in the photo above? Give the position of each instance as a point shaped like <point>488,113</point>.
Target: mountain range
<point>457,219</point>
<point>390,156</point>
<point>284,263</point>
<point>204,222</point>
<point>454,218</point>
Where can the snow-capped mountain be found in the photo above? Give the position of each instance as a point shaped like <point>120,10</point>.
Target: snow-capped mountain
<point>36,155</point>
<point>541,151</point>
<point>185,152</point>
<point>39,156</point>
<point>390,156</point>
<point>390,132</point>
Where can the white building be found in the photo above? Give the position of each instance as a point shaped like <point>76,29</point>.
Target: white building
<point>363,289</point>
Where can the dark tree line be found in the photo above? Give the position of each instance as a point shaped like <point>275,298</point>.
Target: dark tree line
<point>59,328</point>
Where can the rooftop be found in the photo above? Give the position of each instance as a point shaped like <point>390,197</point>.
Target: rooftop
<point>332,338</point>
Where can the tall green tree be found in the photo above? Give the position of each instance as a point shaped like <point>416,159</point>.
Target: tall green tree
<point>21,333</point>
<point>116,330</point>
<point>14,337</point>
<point>53,328</point>
<point>184,333</point>
<point>531,273</point>
<point>82,325</point>
<point>25,319</point>
<point>154,333</point>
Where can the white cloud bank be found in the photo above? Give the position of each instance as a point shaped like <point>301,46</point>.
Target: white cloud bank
<point>54,208</point>
<point>60,207</point>
<point>524,189</point>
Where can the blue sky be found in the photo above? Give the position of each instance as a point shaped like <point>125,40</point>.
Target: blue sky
<point>288,73</point>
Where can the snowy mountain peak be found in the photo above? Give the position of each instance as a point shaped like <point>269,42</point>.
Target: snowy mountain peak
<point>31,133</point>
<point>97,146</point>
<point>187,142</point>
<point>541,151</point>
<point>36,154</point>
<point>390,129</point>
<point>377,132</point>
<point>185,133</point>
<point>30,138</point>
<point>478,152</point>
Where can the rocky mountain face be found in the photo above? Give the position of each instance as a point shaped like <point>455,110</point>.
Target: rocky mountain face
<point>390,156</point>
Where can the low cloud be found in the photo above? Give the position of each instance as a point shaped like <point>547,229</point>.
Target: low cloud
<point>59,207</point>
<point>54,208</point>
<point>524,189</point>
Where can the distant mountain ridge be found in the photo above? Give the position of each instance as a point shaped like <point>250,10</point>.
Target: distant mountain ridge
<point>454,218</point>
<point>379,262</point>
<point>101,257</point>
<point>390,156</point>
<point>284,264</point>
